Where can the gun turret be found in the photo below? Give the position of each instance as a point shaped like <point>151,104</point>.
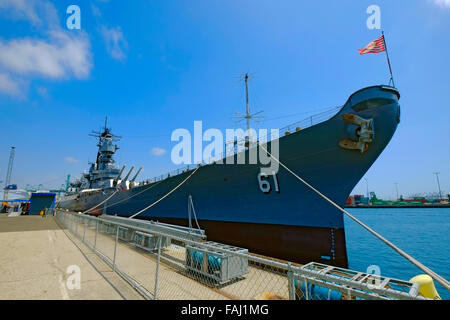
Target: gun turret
<point>120,173</point>
<point>137,173</point>
<point>128,174</point>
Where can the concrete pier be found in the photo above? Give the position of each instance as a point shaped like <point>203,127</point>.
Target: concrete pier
<point>38,259</point>
<point>36,253</point>
<point>35,256</point>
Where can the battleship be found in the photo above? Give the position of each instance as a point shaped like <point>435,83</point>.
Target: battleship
<point>286,220</point>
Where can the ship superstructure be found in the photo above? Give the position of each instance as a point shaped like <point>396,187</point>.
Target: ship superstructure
<point>103,173</point>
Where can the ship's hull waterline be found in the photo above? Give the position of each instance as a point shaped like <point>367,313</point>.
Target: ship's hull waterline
<point>291,222</point>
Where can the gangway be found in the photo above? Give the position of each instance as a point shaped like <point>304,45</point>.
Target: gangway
<point>157,227</point>
<point>353,283</point>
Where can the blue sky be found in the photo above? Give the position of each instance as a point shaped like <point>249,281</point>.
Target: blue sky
<point>154,66</point>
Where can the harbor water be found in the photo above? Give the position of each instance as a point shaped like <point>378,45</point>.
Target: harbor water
<point>424,233</point>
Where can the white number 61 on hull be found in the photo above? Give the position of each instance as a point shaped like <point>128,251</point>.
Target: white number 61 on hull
<point>264,182</point>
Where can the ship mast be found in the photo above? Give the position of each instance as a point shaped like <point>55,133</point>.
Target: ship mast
<point>248,116</point>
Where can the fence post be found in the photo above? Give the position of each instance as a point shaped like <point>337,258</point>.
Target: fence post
<point>157,268</point>
<point>290,277</point>
<point>306,290</point>
<point>115,248</point>
<point>95,239</point>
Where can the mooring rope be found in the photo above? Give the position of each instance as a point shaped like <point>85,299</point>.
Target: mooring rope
<point>117,190</point>
<point>166,195</point>
<point>132,196</point>
<point>415,262</point>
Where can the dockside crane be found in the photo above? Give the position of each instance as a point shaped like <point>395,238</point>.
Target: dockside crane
<point>8,177</point>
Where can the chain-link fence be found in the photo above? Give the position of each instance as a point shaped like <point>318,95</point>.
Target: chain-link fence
<point>179,265</point>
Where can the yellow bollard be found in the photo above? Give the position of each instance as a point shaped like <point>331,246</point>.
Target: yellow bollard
<point>426,286</point>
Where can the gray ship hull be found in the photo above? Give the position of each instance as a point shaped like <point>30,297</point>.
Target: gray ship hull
<point>290,222</point>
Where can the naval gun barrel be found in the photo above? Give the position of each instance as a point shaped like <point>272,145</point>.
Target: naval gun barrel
<point>137,173</point>
<point>120,173</point>
<point>128,174</point>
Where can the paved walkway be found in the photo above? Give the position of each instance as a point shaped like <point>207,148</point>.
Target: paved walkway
<point>35,256</point>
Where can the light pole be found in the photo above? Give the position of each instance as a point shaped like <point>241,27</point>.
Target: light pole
<point>439,185</point>
<point>396,188</point>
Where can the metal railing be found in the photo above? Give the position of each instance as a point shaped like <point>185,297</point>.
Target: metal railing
<point>294,127</point>
<point>173,265</point>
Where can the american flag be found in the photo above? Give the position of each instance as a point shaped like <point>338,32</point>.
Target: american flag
<point>375,46</point>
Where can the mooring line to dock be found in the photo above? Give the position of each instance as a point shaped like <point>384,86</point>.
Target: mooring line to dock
<point>167,194</point>
<point>117,190</point>
<point>415,262</point>
<point>134,195</point>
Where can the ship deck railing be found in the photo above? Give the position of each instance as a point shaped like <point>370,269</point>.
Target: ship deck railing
<point>231,150</point>
<point>166,262</point>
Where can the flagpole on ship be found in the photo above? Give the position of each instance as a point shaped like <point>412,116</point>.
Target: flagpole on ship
<point>389,62</point>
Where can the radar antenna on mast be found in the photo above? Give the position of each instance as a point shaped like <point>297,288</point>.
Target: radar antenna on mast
<point>106,133</point>
<point>247,116</point>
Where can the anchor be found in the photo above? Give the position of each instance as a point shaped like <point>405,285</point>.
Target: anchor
<point>364,133</point>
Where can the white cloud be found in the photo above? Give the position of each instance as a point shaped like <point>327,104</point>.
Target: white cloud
<point>56,54</point>
<point>21,9</point>
<point>156,151</point>
<point>36,12</point>
<point>8,85</point>
<point>61,56</point>
<point>442,3</point>
<point>71,160</point>
<point>115,42</point>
